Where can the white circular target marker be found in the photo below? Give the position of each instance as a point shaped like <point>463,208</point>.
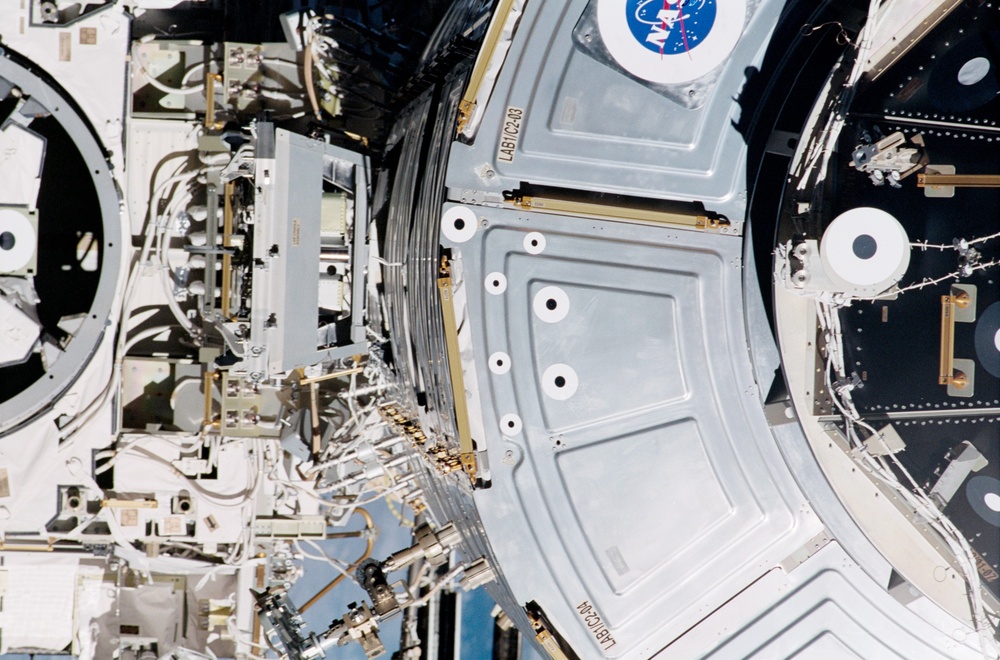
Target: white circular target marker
<point>458,224</point>
<point>499,363</point>
<point>560,382</point>
<point>496,283</point>
<point>551,304</point>
<point>866,247</point>
<point>992,500</point>
<point>510,424</point>
<point>534,243</point>
<point>996,340</point>
<point>670,41</point>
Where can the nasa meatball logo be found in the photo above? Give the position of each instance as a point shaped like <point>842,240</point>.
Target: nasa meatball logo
<point>670,27</point>
<point>671,41</point>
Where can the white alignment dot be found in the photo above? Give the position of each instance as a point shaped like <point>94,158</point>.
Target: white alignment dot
<point>996,340</point>
<point>992,501</point>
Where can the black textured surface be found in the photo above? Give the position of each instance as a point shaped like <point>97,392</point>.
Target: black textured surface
<point>894,345</point>
<point>925,80</point>
<point>928,441</point>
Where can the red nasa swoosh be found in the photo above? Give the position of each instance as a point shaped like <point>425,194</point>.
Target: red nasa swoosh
<point>680,13</point>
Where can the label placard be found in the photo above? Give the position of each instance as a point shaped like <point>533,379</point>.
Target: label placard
<point>593,621</point>
<point>509,134</point>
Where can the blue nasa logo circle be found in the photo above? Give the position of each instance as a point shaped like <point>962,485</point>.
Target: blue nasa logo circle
<point>670,27</point>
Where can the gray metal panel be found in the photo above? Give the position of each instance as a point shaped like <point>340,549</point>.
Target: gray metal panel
<point>830,609</point>
<point>294,228</point>
<point>285,295</point>
<point>359,256</point>
<point>590,127</point>
<point>657,493</point>
<point>667,419</point>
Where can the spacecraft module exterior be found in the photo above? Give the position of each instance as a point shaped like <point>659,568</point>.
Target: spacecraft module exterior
<point>674,326</point>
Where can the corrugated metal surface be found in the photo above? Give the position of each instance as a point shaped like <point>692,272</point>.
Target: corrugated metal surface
<point>408,134</point>
<point>422,264</point>
<point>423,135</point>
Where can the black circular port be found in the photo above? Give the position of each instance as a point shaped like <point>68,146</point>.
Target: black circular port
<point>496,283</point>
<point>459,224</point>
<point>7,241</point>
<point>534,242</point>
<point>864,247</point>
<point>560,381</point>
<point>511,424</point>
<point>184,506</point>
<point>499,363</point>
<point>73,502</point>
<point>550,304</point>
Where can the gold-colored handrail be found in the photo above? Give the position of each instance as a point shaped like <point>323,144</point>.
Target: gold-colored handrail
<point>614,212</point>
<point>210,123</point>
<point>467,106</point>
<point>958,180</point>
<point>947,375</point>
<point>466,447</point>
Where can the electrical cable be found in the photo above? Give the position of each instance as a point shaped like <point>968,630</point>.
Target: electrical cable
<point>166,89</point>
<point>218,499</point>
<point>70,429</point>
<point>440,584</point>
<point>200,66</point>
<point>165,272</point>
<point>916,498</point>
<point>924,245</point>
<point>369,525</point>
<point>308,75</point>
<point>275,61</point>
